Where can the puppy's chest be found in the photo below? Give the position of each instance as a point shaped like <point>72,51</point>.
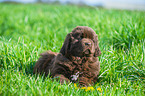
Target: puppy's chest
<point>83,70</point>
<point>85,65</point>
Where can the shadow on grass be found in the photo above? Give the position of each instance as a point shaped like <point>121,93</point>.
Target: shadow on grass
<point>29,68</point>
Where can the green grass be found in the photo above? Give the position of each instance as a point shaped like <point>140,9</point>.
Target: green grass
<point>27,30</point>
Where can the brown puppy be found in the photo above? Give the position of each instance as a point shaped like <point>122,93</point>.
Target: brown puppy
<point>77,60</point>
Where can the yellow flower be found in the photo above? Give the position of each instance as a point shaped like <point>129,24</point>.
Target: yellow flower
<point>75,85</point>
<point>99,89</point>
<point>90,89</point>
<point>83,88</point>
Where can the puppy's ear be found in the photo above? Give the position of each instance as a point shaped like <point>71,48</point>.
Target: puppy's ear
<point>97,49</point>
<point>66,44</point>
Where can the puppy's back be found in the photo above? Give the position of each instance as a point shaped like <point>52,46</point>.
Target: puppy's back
<point>44,64</point>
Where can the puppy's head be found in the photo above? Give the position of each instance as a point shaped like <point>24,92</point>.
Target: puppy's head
<point>82,41</point>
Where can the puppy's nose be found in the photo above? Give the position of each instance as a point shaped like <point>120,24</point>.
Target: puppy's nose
<point>87,44</point>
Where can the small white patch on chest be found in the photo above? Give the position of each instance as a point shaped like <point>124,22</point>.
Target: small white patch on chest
<point>75,77</point>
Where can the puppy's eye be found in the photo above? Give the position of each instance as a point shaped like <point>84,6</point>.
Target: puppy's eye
<point>80,39</point>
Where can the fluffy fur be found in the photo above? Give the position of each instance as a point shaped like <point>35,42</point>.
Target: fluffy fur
<point>77,60</point>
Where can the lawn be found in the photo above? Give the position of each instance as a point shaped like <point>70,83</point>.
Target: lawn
<point>26,30</point>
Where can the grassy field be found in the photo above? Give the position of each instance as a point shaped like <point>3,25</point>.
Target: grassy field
<point>27,30</point>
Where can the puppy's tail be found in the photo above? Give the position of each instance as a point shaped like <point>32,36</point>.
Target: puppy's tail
<point>44,62</point>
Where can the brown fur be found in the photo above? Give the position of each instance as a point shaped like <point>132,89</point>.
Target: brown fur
<point>77,60</point>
